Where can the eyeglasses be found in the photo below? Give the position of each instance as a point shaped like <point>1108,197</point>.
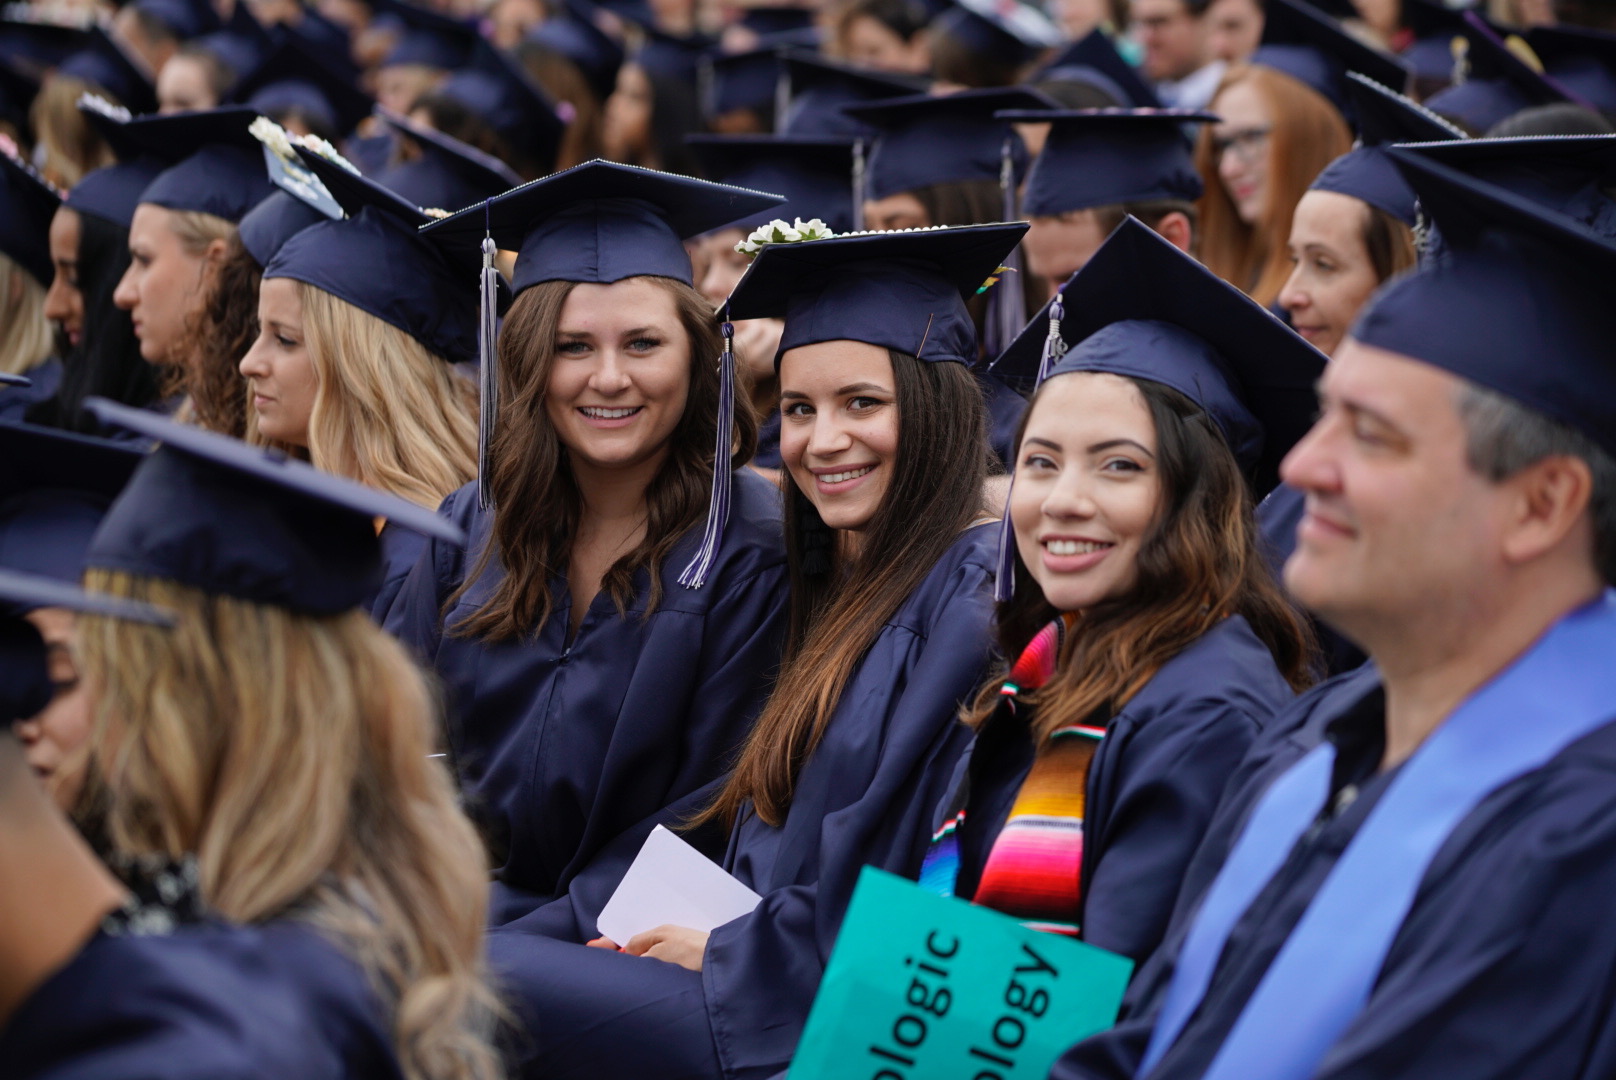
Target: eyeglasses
<point>1247,144</point>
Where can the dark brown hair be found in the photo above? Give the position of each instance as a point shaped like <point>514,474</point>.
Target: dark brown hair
<point>1199,563</point>
<point>935,493</point>
<point>216,338</point>
<point>537,504</point>
<point>1150,212</point>
<point>1389,242</point>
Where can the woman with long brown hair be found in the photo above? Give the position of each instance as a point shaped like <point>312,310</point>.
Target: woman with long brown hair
<point>891,559</point>
<point>1274,135</point>
<point>276,747</point>
<point>604,651</point>
<point>1150,642</point>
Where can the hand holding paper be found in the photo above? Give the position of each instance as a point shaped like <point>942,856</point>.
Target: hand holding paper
<point>672,884</point>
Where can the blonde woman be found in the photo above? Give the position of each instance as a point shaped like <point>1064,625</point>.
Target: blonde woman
<point>360,326</point>
<point>277,744</point>
<point>27,204</point>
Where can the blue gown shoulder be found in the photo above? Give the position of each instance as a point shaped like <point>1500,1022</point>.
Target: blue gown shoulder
<point>44,380</point>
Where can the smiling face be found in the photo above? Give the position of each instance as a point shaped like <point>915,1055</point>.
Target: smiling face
<point>1243,137</point>
<point>1333,274</point>
<point>1087,488</point>
<point>1397,524</point>
<point>64,302</point>
<point>621,374</point>
<point>281,380</point>
<point>162,285</point>
<point>839,428</point>
<point>52,739</point>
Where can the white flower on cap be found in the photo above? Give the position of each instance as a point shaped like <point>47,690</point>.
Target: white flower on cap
<point>778,232</point>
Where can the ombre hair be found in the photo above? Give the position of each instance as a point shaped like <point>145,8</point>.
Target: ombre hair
<point>26,341</point>
<point>1199,563</point>
<point>537,504</point>
<point>387,412</point>
<point>290,754</point>
<point>1308,133</point>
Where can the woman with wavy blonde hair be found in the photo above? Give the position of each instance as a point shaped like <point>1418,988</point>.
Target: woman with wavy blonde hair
<point>282,744</point>
<point>360,325</point>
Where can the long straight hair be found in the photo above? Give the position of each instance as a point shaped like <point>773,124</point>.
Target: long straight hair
<point>1198,564</point>
<point>1308,133</point>
<point>27,341</point>
<point>537,504</point>
<point>290,754</point>
<point>935,493</point>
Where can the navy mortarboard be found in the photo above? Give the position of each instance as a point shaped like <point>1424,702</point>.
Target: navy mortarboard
<point>102,62</point>
<point>1366,173</point>
<point>1381,115</point>
<point>814,175</point>
<point>53,492</point>
<point>1142,308</point>
<point>291,79</point>
<point>1107,157</point>
<point>185,18</point>
<point>233,520</point>
<point>1094,59</point>
<point>672,56</point>
<point>429,39</point>
<point>1009,32</point>
<point>447,174</point>
<point>1518,303</point>
<point>1434,26</point>
<point>752,81</point>
<point>1582,61</point>
<point>27,203</point>
<point>817,88</point>
<point>572,32</point>
<point>111,193</point>
<point>1496,82</point>
<point>214,164</point>
<point>508,100</point>
<point>1314,49</point>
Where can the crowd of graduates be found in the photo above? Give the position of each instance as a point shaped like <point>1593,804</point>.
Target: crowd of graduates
<point>1144,467</point>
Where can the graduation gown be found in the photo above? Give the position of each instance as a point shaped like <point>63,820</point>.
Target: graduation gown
<point>16,400</point>
<point>865,797</point>
<point>1505,965</point>
<point>1005,409</point>
<point>206,1002</point>
<point>1154,783</point>
<point>401,550</point>
<point>563,746</point>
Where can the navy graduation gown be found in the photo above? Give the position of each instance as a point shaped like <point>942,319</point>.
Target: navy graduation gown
<point>768,444</point>
<point>1005,407</point>
<point>1153,786</point>
<point>564,746</point>
<point>865,797</point>
<point>1505,966</point>
<point>209,1002</point>
<point>44,379</point>
<point>401,550</point>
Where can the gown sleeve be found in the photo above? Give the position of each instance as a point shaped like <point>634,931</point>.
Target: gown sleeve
<point>414,615</point>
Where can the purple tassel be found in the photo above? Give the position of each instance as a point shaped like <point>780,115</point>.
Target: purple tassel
<point>487,372</point>
<point>860,183</point>
<point>695,575</point>
<point>1004,580</point>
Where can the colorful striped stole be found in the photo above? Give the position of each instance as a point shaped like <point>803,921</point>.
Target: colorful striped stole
<point>1034,869</point>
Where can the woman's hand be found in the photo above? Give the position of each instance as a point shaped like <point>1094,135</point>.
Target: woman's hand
<point>672,944</point>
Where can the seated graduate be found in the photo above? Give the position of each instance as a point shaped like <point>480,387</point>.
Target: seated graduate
<point>27,346</point>
<point>361,325</point>
<point>1152,642</point>
<point>1410,874</point>
<point>891,558</point>
<point>277,743</point>
<point>609,636</point>
<point>53,493</point>
<point>102,983</point>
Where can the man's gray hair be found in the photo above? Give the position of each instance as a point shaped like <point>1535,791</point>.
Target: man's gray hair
<point>1503,437</point>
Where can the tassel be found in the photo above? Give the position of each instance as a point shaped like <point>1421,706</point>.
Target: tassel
<point>1004,580</point>
<point>487,372</point>
<point>1007,305</point>
<point>859,185</point>
<point>695,575</point>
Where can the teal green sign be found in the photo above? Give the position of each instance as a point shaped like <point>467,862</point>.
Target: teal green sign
<point>926,987</point>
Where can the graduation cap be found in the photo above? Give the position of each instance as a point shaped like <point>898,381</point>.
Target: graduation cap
<point>248,522</point>
<point>1434,25</point>
<point>1314,49</point>
<point>817,88</point>
<point>1518,304</point>
<point>1143,309</point>
<point>292,78</point>
<point>928,139</point>
<point>214,163</point>
<point>1568,174</point>
<point>241,45</point>
<point>101,61</point>
<point>20,381</point>
<point>1103,157</point>
<point>672,56</point>
<point>768,20</point>
<point>1365,172</point>
<point>1497,82</point>
<point>814,175</point>
<point>601,222</point>
<point>429,39</point>
<point>1006,30</point>
<point>509,101</point>
<point>53,492</point>
<point>448,174</point>
<point>27,204</point>
<point>903,290</point>
<point>377,260</point>
<point>111,193</point>
<point>17,92</point>
<point>1383,116</point>
<point>186,19</point>
<point>1094,59</point>
<point>572,32</point>
<point>1582,61</point>
<point>753,79</point>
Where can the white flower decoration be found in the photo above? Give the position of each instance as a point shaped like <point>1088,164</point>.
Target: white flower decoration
<point>273,136</point>
<point>778,232</point>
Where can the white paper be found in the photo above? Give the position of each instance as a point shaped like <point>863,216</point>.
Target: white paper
<point>672,883</point>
